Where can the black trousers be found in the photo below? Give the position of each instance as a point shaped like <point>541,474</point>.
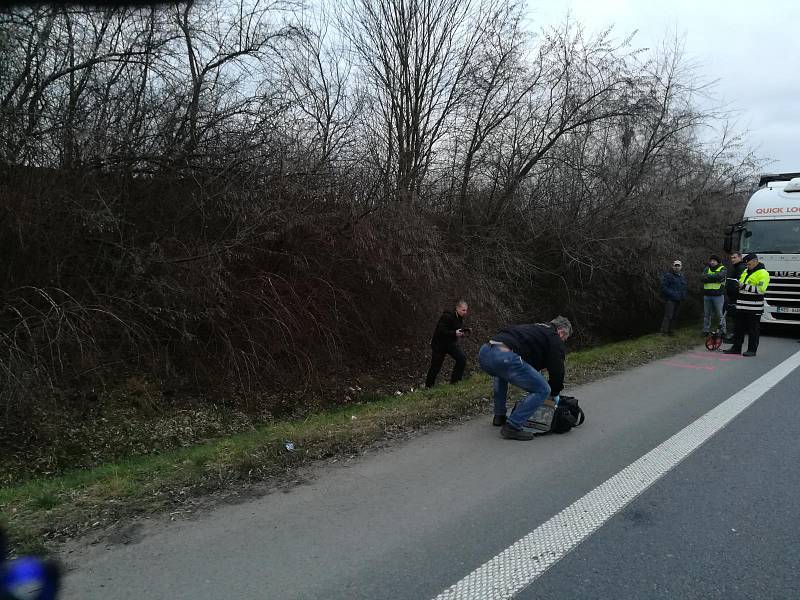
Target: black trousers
<point>437,360</point>
<point>670,315</point>
<point>746,323</point>
<point>730,314</point>
<point>730,310</point>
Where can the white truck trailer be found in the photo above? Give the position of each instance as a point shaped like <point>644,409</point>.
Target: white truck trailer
<point>771,228</point>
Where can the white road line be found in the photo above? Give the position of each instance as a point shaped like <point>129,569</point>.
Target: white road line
<point>523,562</point>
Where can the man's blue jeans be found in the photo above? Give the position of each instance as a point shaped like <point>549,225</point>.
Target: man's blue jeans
<point>712,305</point>
<point>508,367</point>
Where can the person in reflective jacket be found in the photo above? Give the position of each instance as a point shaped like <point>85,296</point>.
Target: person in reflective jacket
<point>515,355</point>
<point>753,284</point>
<point>713,279</point>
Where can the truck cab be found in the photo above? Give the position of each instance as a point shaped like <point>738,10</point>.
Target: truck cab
<point>770,227</point>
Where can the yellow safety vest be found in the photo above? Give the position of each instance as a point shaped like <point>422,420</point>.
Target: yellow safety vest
<point>714,285</point>
<point>752,286</point>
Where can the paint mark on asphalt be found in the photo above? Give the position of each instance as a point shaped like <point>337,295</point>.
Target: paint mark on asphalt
<point>686,366</point>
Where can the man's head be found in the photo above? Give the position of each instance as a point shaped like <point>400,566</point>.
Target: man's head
<point>677,265</point>
<point>751,260</point>
<point>461,308</point>
<point>736,257</point>
<point>563,326</point>
<point>713,261</point>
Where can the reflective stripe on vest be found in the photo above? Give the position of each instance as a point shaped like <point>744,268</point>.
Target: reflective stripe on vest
<point>753,301</point>
<point>714,285</point>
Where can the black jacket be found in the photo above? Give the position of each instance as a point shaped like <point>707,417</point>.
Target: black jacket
<point>732,287</point>
<point>445,333</point>
<point>540,346</point>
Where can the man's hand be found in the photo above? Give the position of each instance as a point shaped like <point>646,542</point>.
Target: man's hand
<point>460,333</point>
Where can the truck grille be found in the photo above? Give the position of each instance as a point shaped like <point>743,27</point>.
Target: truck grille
<point>784,292</point>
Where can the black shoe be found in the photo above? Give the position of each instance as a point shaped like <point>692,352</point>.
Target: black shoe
<point>749,353</point>
<point>512,433</point>
<point>729,339</point>
<point>499,420</point>
<point>732,351</point>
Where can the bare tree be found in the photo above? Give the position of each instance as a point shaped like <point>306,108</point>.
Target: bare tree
<point>221,57</point>
<point>581,84</point>
<point>415,57</point>
<point>497,84</point>
<point>325,102</point>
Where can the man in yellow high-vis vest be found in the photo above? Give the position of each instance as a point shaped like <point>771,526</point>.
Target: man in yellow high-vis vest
<point>713,293</point>
<point>753,284</point>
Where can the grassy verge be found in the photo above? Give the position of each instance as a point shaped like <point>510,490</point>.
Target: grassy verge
<point>43,510</point>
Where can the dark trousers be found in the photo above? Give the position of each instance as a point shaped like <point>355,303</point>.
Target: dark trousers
<point>670,315</point>
<point>730,313</point>
<point>746,322</point>
<point>437,360</point>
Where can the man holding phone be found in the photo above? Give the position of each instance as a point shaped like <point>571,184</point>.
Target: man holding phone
<point>449,330</point>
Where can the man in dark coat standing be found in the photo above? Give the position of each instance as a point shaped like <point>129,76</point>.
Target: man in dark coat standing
<point>673,291</point>
<point>449,330</point>
<point>732,287</point>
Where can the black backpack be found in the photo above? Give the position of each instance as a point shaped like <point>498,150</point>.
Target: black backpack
<point>568,415</point>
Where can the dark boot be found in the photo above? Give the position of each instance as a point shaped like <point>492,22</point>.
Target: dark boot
<point>499,420</point>
<point>513,433</point>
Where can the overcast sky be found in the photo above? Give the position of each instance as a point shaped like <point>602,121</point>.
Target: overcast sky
<point>751,48</point>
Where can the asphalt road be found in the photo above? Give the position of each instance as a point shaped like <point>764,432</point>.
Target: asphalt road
<point>411,521</point>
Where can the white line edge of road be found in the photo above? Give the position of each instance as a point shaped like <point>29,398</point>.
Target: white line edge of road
<point>519,565</point>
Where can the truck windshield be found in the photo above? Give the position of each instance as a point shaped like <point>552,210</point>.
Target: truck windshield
<point>771,237</point>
